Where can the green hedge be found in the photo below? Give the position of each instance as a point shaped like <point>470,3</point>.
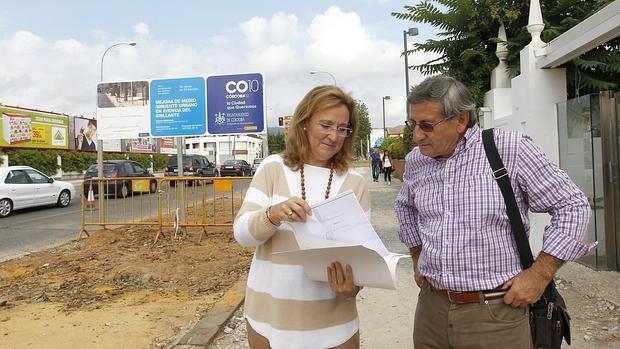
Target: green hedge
<point>72,161</point>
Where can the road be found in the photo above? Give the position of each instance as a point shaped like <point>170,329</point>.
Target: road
<point>34,229</point>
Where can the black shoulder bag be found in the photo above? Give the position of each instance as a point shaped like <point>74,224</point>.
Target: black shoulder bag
<point>549,320</point>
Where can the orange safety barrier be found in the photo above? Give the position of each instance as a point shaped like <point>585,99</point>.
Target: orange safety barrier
<point>169,202</point>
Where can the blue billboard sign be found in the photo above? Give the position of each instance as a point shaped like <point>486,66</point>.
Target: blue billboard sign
<point>178,107</point>
<point>235,104</point>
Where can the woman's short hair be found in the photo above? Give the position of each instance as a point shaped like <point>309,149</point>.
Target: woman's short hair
<point>451,93</point>
<point>318,99</point>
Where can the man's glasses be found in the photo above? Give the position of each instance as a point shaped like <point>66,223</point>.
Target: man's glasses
<point>425,126</point>
<point>341,131</point>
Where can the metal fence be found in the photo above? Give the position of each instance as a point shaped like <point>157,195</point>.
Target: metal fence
<point>167,203</point>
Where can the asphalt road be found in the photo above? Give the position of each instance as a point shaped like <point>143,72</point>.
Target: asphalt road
<point>29,230</point>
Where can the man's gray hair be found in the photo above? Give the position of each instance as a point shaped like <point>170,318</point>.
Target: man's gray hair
<point>451,93</point>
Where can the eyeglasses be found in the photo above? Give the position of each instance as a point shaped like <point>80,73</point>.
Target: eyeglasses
<point>424,125</point>
<point>341,131</point>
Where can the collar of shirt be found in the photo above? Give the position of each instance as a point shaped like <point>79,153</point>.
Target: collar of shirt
<point>472,135</point>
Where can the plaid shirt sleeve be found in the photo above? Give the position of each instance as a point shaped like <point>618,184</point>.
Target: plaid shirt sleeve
<point>406,211</point>
<point>550,190</point>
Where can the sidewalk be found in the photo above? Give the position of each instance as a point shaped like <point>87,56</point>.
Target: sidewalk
<point>386,316</point>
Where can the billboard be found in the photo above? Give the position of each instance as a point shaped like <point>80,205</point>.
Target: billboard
<point>178,107</point>
<point>122,109</point>
<point>27,128</point>
<point>167,145</point>
<point>235,104</point>
<point>85,134</point>
<point>140,145</point>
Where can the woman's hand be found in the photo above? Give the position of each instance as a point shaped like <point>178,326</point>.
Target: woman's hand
<point>340,282</point>
<point>292,210</point>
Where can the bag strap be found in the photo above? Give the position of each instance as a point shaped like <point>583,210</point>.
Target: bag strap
<point>501,176</point>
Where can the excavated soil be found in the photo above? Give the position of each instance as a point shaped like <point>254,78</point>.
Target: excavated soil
<point>116,289</point>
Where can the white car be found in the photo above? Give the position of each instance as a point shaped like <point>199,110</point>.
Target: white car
<point>23,186</point>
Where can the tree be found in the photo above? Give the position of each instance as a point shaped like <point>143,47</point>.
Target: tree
<point>469,35</point>
<point>363,130</point>
<point>276,142</point>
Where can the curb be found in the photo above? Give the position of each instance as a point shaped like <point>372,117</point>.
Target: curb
<point>209,325</point>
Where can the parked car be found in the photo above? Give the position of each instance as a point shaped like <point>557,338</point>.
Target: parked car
<point>235,168</point>
<point>193,166</point>
<point>255,164</point>
<point>23,186</point>
<point>133,177</point>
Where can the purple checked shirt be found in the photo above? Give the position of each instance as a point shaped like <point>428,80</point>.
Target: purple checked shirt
<point>453,208</point>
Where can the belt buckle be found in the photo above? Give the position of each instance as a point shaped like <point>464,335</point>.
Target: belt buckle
<point>495,294</point>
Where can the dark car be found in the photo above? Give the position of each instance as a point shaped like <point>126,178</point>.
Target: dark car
<point>255,164</point>
<point>235,168</point>
<point>193,166</point>
<point>135,178</point>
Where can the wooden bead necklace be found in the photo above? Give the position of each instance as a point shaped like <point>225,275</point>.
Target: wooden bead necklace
<point>303,187</point>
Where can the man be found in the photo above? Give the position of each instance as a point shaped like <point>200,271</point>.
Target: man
<point>452,216</point>
<point>375,164</point>
<point>88,142</point>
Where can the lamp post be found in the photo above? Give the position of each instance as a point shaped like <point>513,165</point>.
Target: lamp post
<point>99,141</point>
<point>413,32</point>
<point>312,72</point>
<point>384,130</point>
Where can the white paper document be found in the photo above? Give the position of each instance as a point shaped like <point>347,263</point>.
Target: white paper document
<point>339,230</point>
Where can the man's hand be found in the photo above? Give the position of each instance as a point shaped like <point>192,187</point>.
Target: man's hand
<point>525,288</point>
<point>415,255</point>
<point>340,282</point>
<point>528,286</point>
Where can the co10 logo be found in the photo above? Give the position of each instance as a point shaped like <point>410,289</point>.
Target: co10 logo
<point>242,86</point>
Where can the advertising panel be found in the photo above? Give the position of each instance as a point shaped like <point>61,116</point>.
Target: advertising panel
<point>85,134</point>
<point>167,145</point>
<point>140,145</point>
<point>25,128</point>
<point>123,109</point>
<point>178,107</point>
<point>235,104</point>
<point>112,145</point>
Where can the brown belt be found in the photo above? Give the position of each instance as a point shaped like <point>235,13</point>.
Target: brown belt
<point>469,297</point>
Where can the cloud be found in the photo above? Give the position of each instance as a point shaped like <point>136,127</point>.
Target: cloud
<point>61,75</point>
<point>141,29</point>
<point>281,28</point>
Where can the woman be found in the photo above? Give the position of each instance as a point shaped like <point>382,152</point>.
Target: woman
<point>283,308</point>
<point>387,167</point>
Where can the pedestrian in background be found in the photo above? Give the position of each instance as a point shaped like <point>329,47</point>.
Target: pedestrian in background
<point>283,307</point>
<point>375,164</point>
<point>474,292</point>
<point>387,167</point>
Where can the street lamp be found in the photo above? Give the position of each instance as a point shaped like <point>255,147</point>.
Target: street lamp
<point>384,130</point>
<point>312,72</point>
<point>99,141</point>
<point>413,32</point>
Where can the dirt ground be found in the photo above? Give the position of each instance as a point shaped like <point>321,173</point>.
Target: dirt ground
<point>116,289</point>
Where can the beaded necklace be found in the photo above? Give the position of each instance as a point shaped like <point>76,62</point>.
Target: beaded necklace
<point>303,186</point>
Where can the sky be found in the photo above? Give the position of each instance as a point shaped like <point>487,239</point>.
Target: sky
<point>50,51</point>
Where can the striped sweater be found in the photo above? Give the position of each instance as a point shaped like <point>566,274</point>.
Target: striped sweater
<point>281,303</point>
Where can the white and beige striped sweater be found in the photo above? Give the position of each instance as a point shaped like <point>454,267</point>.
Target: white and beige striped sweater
<point>281,303</point>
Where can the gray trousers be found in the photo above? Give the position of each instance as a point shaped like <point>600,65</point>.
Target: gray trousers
<point>491,324</point>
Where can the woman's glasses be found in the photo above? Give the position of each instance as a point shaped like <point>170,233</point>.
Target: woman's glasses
<point>425,126</point>
<point>341,131</point>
